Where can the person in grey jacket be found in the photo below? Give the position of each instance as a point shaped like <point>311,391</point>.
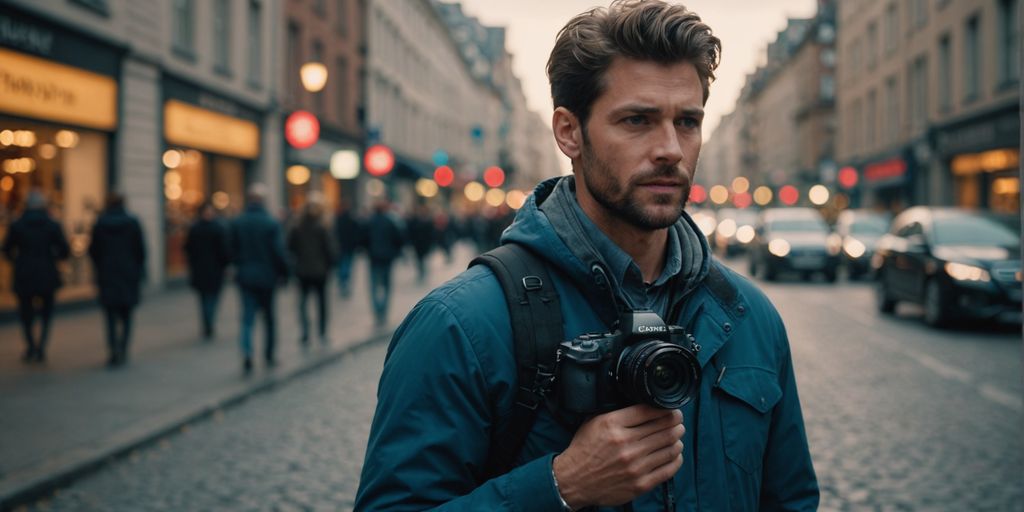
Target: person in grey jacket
<point>118,253</point>
<point>313,253</point>
<point>35,243</point>
<point>629,85</point>
<point>261,264</point>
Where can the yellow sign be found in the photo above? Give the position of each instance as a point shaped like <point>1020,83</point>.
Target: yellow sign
<point>195,127</point>
<point>40,89</point>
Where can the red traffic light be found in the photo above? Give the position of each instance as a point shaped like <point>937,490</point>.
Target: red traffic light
<point>848,177</point>
<point>494,176</point>
<point>301,129</point>
<point>379,160</point>
<point>789,195</point>
<point>698,194</point>
<point>444,176</point>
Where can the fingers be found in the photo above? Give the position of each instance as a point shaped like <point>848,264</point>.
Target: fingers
<point>653,427</point>
<point>636,415</point>
<point>662,473</point>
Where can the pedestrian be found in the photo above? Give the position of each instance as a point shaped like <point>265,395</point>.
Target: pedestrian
<point>348,232</point>
<point>257,246</point>
<point>34,244</point>
<point>384,240</point>
<point>422,237</point>
<point>206,247</point>
<point>313,253</point>
<point>118,253</point>
<point>629,84</point>
<point>445,230</point>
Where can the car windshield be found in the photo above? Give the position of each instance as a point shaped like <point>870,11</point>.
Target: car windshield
<point>973,230</point>
<point>799,225</point>
<point>869,226</point>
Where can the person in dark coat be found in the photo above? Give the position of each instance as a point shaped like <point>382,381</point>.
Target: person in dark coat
<point>34,244</point>
<point>257,246</point>
<point>313,253</point>
<point>206,247</point>
<point>422,237</point>
<point>348,234</point>
<point>118,253</point>
<point>384,242</point>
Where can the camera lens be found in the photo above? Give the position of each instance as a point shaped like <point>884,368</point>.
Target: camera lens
<point>657,373</point>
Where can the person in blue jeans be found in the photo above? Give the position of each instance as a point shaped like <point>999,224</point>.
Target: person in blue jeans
<point>257,244</point>
<point>206,247</point>
<point>384,242</point>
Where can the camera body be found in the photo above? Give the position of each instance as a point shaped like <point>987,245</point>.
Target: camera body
<point>644,361</point>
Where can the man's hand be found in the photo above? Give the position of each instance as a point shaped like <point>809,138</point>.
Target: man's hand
<point>617,456</point>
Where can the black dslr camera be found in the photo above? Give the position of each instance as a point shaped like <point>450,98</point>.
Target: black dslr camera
<point>644,361</point>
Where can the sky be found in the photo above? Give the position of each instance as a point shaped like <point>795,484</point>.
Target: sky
<point>744,26</point>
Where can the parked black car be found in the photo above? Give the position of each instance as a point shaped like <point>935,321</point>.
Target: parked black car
<point>794,239</point>
<point>957,263</point>
<point>859,231</point>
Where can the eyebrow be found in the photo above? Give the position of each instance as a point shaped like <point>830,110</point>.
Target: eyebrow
<point>646,109</point>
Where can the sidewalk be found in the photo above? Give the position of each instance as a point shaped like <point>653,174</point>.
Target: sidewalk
<point>64,419</point>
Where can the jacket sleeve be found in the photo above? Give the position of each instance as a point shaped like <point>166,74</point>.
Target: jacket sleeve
<point>429,440</point>
<point>789,482</point>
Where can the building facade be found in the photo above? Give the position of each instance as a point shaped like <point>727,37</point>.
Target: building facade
<point>329,33</point>
<point>928,99</point>
<point>165,102</point>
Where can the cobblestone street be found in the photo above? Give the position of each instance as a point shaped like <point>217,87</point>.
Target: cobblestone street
<point>892,426</point>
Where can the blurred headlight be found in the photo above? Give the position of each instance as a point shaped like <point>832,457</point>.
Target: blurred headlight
<point>706,225</point>
<point>855,248</point>
<point>778,247</point>
<point>745,234</point>
<point>962,272</point>
<point>727,228</point>
<point>833,243</point>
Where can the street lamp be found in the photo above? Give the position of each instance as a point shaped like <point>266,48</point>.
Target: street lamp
<point>314,76</point>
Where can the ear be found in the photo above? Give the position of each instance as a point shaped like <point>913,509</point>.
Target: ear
<point>568,132</point>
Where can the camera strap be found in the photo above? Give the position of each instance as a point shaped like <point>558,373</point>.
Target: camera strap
<point>536,316</point>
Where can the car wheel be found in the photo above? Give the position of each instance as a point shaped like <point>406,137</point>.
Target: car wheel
<point>883,300</point>
<point>936,309</point>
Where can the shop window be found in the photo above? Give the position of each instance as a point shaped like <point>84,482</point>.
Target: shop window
<point>183,19</point>
<point>69,166</point>
<point>1009,42</point>
<point>255,66</point>
<point>190,179</point>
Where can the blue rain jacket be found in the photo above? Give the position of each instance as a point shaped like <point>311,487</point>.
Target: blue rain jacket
<point>449,380</point>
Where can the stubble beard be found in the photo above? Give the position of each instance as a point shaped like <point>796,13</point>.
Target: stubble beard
<point>625,204</point>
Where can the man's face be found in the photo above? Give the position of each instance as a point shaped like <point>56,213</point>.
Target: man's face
<point>641,143</point>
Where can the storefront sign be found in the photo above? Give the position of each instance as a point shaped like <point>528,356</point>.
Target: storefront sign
<point>994,130</point>
<point>894,169</point>
<point>195,127</point>
<point>36,88</point>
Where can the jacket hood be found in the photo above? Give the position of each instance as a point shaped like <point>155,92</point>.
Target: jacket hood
<point>548,226</point>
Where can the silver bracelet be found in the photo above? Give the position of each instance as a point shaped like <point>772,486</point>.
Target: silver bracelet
<point>558,492</point>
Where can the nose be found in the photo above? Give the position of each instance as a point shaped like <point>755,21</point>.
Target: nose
<point>667,150</point>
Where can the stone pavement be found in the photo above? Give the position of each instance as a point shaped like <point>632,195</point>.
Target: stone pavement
<point>72,415</point>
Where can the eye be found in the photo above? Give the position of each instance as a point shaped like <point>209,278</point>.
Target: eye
<point>689,122</point>
<point>636,120</point>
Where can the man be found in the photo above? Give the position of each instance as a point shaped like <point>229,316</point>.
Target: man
<point>384,240</point>
<point>420,228</point>
<point>206,247</point>
<point>260,261</point>
<point>313,252</point>
<point>35,243</point>
<point>118,253</point>
<point>348,233</point>
<point>629,84</point>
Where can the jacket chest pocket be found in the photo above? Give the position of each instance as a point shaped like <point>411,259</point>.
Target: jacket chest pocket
<point>746,397</point>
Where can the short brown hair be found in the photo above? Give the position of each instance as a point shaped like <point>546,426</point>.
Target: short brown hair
<point>649,30</point>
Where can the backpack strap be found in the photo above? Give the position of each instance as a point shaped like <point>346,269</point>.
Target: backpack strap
<point>536,317</point>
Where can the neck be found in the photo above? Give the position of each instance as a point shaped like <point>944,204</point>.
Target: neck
<point>645,246</point>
